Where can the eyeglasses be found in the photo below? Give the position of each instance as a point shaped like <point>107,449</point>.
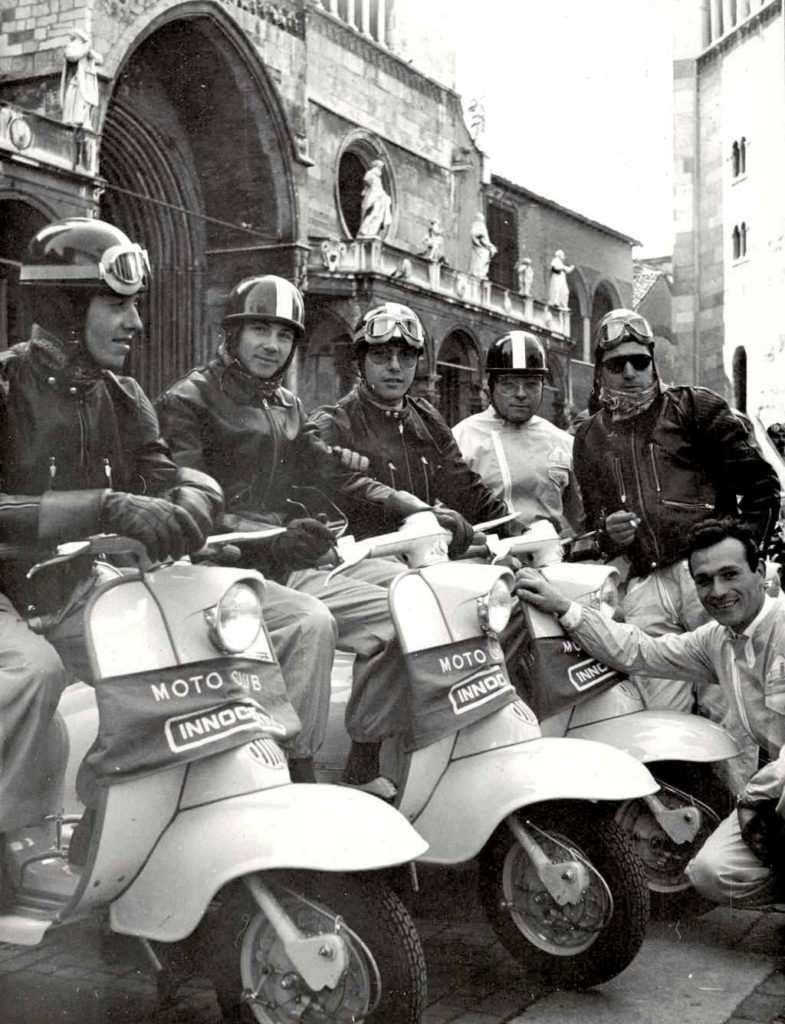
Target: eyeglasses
<point>509,385</point>
<point>407,357</point>
<point>124,268</point>
<point>616,364</point>
<point>612,333</point>
<point>382,327</point>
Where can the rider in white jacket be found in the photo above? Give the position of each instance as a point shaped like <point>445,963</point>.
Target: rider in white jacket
<point>522,458</point>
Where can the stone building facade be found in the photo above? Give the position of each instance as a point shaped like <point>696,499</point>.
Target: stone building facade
<point>233,137</point>
<point>729,153</point>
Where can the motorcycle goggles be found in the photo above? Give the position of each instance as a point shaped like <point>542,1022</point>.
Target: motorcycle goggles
<point>125,268</point>
<point>616,364</point>
<point>614,332</point>
<point>382,327</point>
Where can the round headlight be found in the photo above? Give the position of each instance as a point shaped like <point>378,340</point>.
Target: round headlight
<point>606,598</point>
<point>495,607</point>
<point>236,620</point>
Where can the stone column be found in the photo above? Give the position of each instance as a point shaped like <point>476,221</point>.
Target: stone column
<point>727,15</point>
<point>332,6</point>
<point>714,19</point>
<point>381,22</point>
<point>365,10</point>
<point>350,13</point>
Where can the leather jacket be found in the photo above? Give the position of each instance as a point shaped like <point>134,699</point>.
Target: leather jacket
<point>683,460</point>
<point>68,432</point>
<point>411,448</point>
<point>257,442</point>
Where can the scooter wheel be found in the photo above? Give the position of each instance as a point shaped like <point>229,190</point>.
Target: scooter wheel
<point>580,942</point>
<point>256,983</point>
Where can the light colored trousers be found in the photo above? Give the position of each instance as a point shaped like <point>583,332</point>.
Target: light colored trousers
<point>725,870</point>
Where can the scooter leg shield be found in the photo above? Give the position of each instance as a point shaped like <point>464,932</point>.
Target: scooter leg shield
<point>322,828</point>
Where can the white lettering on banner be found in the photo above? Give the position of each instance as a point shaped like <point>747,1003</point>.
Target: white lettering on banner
<point>466,659</point>
<point>185,687</point>
<point>588,673</point>
<point>478,689</point>
<point>267,753</point>
<point>568,647</point>
<point>197,728</point>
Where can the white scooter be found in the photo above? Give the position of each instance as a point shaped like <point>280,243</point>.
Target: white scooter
<point>559,880</point>
<point>681,750</point>
<point>201,846</point>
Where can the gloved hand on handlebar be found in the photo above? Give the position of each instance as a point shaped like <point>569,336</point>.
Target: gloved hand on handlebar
<point>461,529</point>
<point>350,460</point>
<point>165,529</point>
<point>301,547</point>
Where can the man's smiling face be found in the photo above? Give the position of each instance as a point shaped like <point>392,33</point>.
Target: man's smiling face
<point>729,590</point>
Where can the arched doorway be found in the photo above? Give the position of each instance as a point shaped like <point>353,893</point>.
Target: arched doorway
<point>325,367</point>
<point>20,221</point>
<point>194,152</point>
<point>605,299</point>
<point>458,367</point>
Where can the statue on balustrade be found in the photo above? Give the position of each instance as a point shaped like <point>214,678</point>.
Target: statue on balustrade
<point>483,249</point>
<point>525,275</point>
<point>558,289</point>
<point>376,204</point>
<point>79,95</point>
<point>433,243</point>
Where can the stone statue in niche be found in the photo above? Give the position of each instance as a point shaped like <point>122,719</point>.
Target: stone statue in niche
<point>483,249</point>
<point>525,275</point>
<point>433,243</point>
<point>376,204</point>
<point>558,289</point>
<point>79,81</point>
<point>333,252</point>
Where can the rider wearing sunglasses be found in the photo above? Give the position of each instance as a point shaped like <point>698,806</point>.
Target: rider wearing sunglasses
<point>524,459</point>
<point>652,461</point>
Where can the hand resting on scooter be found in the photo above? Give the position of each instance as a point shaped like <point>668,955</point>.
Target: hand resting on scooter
<point>532,588</point>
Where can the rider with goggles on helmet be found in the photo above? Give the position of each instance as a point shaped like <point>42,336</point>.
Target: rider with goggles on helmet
<point>525,460</point>
<point>81,455</point>
<point>234,419</point>
<point>652,461</point>
<point>406,441</point>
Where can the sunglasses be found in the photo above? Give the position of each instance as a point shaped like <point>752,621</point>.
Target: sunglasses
<point>509,386</point>
<point>613,332</point>
<point>382,327</point>
<point>616,364</point>
<point>407,357</point>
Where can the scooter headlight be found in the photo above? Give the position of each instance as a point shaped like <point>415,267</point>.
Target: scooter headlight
<point>236,620</point>
<point>495,607</point>
<point>606,598</point>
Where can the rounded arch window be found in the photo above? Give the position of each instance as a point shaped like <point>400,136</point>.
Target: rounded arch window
<point>359,151</point>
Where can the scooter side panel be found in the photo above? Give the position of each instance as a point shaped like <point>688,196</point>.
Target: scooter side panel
<point>478,792</point>
<point>662,736</point>
<point>319,828</point>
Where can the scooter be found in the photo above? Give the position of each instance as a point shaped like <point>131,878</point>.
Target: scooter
<point>558,879</point>
<point>201,846</point>
<point>581,697</point>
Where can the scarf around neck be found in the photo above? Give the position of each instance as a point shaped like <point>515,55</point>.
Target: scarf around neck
<point>623,405</point>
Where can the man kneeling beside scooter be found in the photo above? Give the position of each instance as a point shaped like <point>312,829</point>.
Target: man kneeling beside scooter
<point>742,649</point>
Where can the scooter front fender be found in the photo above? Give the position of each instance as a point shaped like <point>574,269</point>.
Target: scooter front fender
<point>476,793</point>
<point>662,736</point>
<point>318,828</point>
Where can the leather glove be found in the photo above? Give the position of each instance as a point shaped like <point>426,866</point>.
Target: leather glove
<point>303,544</point>
<point>165,529</point>
<point>763,830</point>
<point>201,506</point>
<point>351,460</point>
<point>461,529</point>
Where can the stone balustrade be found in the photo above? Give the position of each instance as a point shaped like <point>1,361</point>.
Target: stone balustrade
<point>35,139</point>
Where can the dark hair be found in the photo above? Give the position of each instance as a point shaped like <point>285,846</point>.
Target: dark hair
<point>714,531</point>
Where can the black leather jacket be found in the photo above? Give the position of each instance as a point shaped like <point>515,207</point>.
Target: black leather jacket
<point>411,448</point>
<point>257,442</point>
<point>683,460</point>
<point>68,433</point>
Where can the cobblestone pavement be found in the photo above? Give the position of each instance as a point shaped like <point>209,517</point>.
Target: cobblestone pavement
<point>82,976</point>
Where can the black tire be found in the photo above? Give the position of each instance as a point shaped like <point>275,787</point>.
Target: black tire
<point>526,906</point>
<point>672,896</point>
<point>235,928</point>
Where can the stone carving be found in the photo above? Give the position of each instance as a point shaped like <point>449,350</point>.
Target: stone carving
<point>433,243</point>
<point>404,269</point>
<point>507,302</point>
<point>79,81</point>
<point>558,289</point>
<point>483,249</point>
<point>525,275</point>
<point>376,205</point>
<point>333,252</point>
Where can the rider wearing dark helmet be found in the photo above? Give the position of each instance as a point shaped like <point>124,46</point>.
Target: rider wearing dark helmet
<point>81,454</point>
<point>524,459</point>
<point>406,441</point>
<point>233,419</point>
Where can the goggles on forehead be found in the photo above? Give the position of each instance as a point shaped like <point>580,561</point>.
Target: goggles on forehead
<point>124,268</point>
<point>613,333</point>
<point>382,327</point>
